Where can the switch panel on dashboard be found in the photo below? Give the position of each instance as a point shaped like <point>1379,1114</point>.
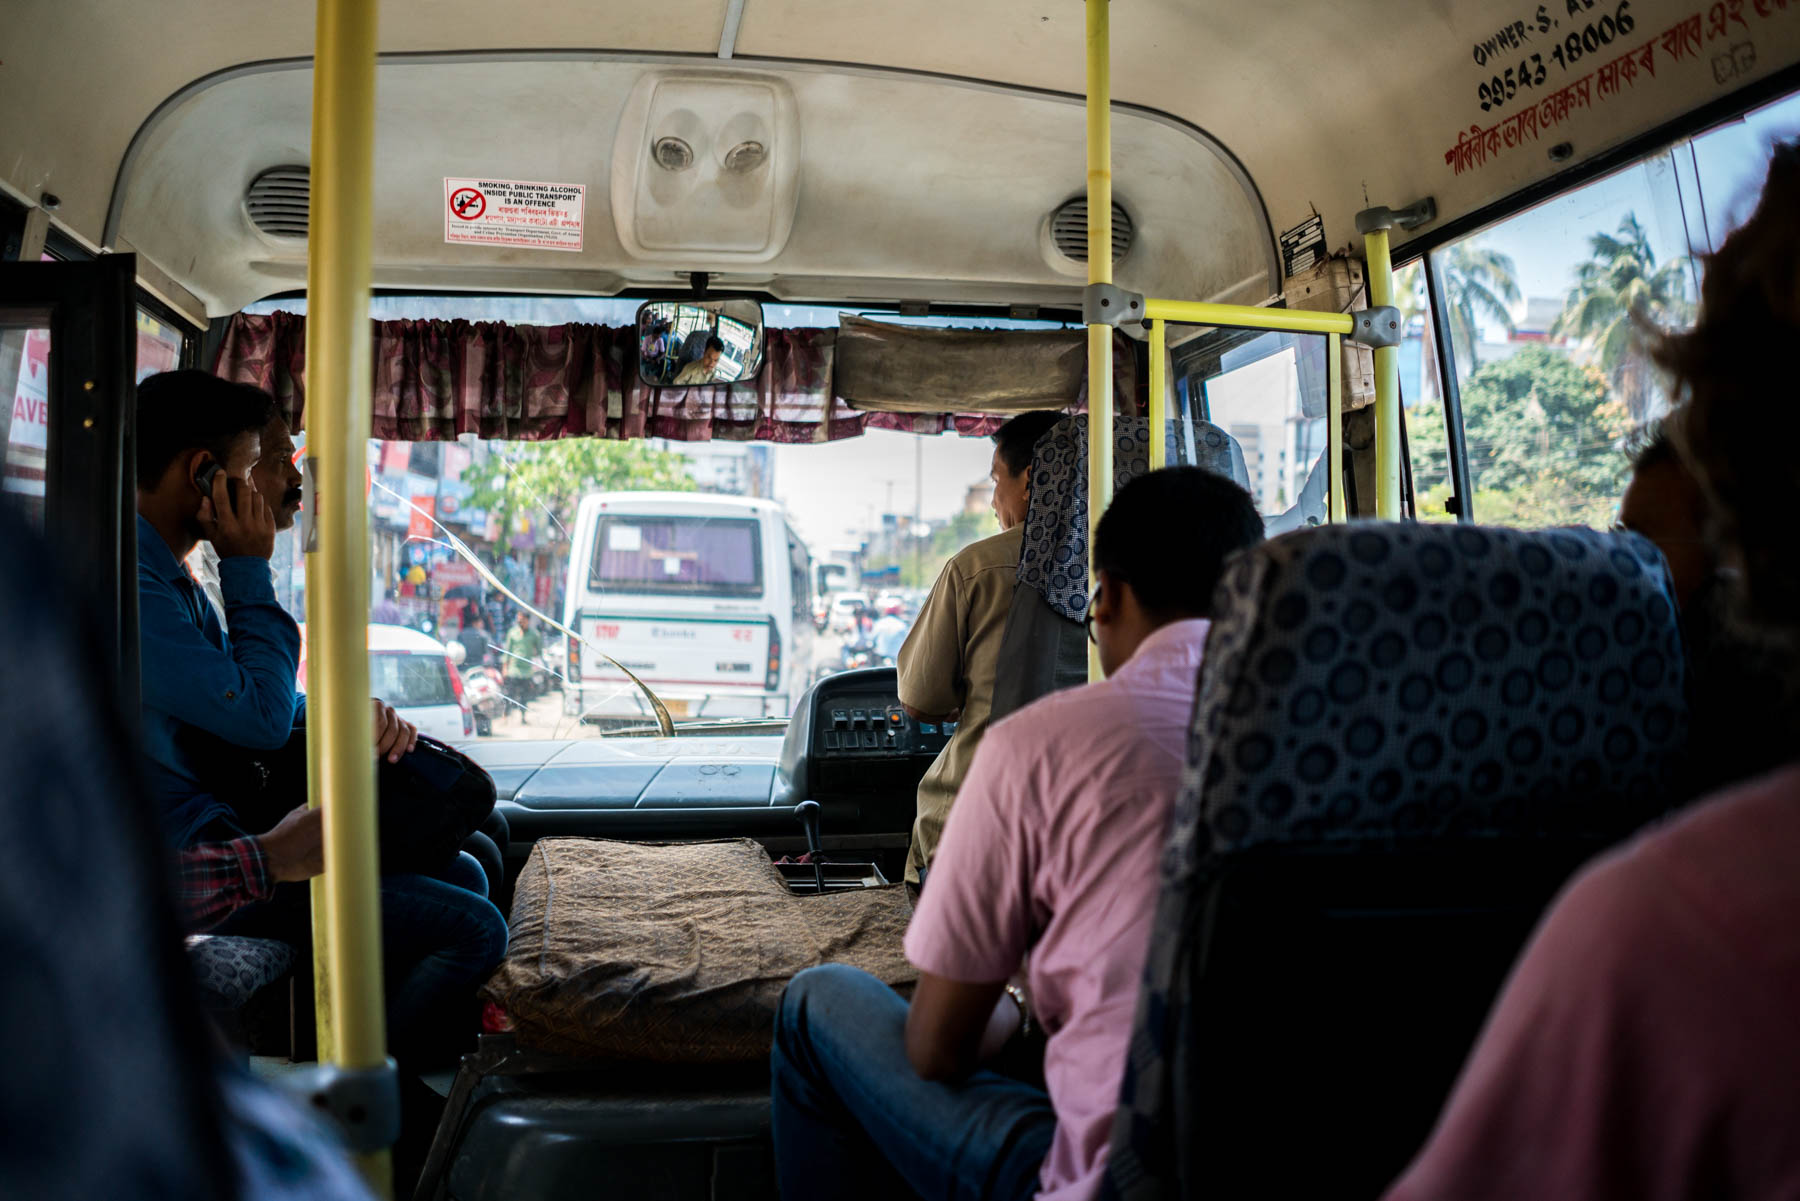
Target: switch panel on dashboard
<point>852,738</point>
<point>875,725</point>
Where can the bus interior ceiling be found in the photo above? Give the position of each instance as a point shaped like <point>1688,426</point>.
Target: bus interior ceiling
<point>833,153</point>
<point>901,163</point>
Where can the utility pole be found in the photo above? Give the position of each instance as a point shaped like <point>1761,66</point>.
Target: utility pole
<point>918,511</point>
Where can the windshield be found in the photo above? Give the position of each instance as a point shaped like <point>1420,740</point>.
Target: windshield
<point>727,575</point>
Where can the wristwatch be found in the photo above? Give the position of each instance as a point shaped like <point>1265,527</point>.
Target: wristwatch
<point>1018,997</point>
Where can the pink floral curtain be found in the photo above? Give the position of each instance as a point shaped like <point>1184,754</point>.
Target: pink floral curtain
<point>435,380</point>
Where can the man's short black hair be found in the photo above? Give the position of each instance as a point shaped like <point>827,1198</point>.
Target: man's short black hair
<point>715,343</point>
<point>1018,437</point>
<point>180,411</point>
<point>1168,534</point>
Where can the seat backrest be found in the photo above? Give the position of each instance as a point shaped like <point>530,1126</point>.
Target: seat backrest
<point>1406,737</point>
<point>1044,647</point>
<point>1220,453</point>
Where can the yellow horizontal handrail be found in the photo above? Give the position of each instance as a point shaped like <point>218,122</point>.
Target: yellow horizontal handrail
<point>1246,316</point>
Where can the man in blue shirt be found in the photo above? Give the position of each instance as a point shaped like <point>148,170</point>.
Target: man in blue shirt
<point>198,440</point>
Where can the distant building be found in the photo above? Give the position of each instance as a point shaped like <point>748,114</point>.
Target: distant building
<point>733,468</point>
<point>979,498</point>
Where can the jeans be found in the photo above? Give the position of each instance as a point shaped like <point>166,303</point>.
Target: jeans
<point>441,937</point>
<point>846,1099</point>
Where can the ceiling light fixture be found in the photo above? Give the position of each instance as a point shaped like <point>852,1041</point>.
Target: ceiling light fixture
<point>672,154</point>
<point>746,156</point>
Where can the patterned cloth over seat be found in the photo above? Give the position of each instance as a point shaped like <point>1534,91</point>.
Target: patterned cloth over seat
<point>1044,648</point>
<point>1054,558</point>
<point>1219,453</point>
<point>1371,688</point>
<point>676,953</point>
<point>232,970</point>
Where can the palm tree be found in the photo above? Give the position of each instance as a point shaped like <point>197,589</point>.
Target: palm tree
<point>1410,299</point>
<point>1479,283</point>
<point>1619,292</point>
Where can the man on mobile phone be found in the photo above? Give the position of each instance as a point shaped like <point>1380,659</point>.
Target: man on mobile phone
<point>199,439</point>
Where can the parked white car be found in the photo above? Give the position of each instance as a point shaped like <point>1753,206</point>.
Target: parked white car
<point>413,672</point>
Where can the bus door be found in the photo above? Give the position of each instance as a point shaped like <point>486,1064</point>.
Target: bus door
<point>68,354</point>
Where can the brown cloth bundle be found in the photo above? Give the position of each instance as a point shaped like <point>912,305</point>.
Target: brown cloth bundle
<point>676,953</point>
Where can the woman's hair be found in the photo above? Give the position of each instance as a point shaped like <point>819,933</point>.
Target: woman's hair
<point>1741,430</point>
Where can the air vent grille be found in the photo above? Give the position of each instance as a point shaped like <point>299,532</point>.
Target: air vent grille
<point>1069,230</point>
<point>278,201</point>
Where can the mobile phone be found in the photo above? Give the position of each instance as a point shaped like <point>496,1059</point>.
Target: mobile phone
<point>203,480</point>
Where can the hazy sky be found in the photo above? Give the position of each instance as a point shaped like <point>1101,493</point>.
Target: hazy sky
<point>835,488</point>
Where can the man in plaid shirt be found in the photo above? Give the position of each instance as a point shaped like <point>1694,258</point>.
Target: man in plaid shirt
<point>215,879</point>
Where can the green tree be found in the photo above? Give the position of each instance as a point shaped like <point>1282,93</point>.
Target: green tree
<point>1620,290</point>
<point>1479,284</point>
<point>922,571</point>
<point>550,478</point>
<point>1545,437</point>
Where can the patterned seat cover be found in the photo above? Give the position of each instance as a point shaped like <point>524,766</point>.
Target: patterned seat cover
<point>1054,557</point>
<point>1380,682</point>
<point>231,970</point>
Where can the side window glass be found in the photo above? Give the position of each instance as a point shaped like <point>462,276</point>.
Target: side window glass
<point>1544,314</point>
<point>1257,407</point>
<point>158,345</point>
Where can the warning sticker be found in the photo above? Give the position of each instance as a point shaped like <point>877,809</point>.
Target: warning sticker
<point>514,212</point>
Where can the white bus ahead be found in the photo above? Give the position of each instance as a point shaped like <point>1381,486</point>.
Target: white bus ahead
<point>704,597</point>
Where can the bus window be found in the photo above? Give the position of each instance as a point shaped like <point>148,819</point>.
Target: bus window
<point>158,345</point>
<point>1544,312</point>
<point>1260,400</point>
<point>27,351</point>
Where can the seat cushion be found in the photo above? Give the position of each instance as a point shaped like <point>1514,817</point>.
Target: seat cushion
<point>232,970</point>
<point>675,953</point>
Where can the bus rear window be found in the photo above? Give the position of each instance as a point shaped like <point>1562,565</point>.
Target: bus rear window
<point>684,556</point>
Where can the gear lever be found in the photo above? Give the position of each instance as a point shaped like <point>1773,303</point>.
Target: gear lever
<point>808,813</point>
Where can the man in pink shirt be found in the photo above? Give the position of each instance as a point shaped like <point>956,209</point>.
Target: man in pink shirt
<point>1048,866</point>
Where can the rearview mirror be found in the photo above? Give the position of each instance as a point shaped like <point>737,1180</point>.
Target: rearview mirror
<point>689,343</point>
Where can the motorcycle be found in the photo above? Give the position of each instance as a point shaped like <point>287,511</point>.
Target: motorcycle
<point>863,654</point>
<point>484,690</point>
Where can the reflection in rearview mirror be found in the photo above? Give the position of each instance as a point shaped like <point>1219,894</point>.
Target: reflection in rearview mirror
<point>688,343</point>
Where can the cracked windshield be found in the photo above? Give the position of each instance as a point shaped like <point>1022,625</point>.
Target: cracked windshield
<point>518,587</point>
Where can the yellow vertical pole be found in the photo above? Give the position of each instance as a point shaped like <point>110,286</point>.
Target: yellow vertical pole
<point>339,729</point>
<point>1099,244</point>
<point>1159,396</point>
<point>1387,382</point>
<point>1334,427</point>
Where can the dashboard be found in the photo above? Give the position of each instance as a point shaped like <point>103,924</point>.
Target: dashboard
<point>850,746</point>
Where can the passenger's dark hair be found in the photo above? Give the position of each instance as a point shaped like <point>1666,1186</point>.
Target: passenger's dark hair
<point>1742,421</point>
<point>179,411</point>
<point>1168,534</point>
<point>1653,448</point>
<point>715,343</point>
<point>1019,437</point>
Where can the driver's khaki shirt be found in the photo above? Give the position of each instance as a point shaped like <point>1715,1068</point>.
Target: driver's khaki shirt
<point>948,663</point>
